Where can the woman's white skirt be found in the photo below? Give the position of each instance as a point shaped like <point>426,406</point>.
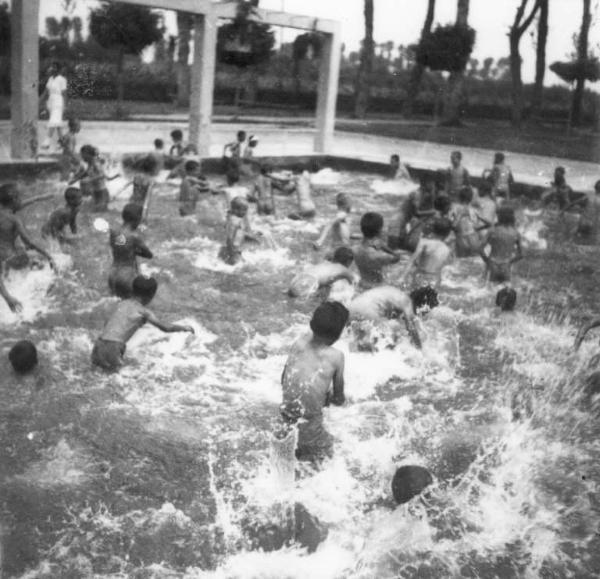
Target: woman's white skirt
<point>56,105</point>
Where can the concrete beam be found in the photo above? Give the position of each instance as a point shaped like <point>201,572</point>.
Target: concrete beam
<point>191,6</point>
<point>329,74</point>
<point>203,81</point>
<point>24,70</point>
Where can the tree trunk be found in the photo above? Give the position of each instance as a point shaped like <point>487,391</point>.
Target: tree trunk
<point>540,59</point>
<point>456,80</point>
<point>582,55</point>
<point>416,74</point>
<point>516,79</point>
<point>120,79</point>
<point>184,27</point>
<point>363,80</point>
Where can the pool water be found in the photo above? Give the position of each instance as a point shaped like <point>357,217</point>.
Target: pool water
<point>156,472</point>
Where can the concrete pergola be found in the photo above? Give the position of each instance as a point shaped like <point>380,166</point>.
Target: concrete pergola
<point>25,68</point>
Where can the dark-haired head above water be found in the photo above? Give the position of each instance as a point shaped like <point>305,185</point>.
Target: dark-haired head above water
<point>132,214</point>
<point>371,224</point>
<point>23,357</point>
<point>9,192</point>
<point>144,288</point>
<point>506,299</point>
<point>423,297</point>
<point>344,256</point>
<point>328,321</point>
<point>409,481</point>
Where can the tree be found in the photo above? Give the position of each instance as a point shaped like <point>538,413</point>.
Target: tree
<point>306,46</point>
<point>416,73</point>
<point>367,53</point>
<point>125,28</point>
<point>520,24</point>
<point>540,58</point>
<point>454,88</point>
<point>582,57</point>
<point>184,27</point>
<point>4,30</point>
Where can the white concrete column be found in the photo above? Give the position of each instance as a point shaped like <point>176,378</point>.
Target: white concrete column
<point>203,81</point>
<point>329,75</point>
<point>24,61</point>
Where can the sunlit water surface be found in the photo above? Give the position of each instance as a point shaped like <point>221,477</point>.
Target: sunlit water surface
<point>157,472</point>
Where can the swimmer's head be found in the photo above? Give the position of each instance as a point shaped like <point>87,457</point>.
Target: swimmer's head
<point>395,161</point>
<point>239,206</point>
<point>559,176</point>
<point>159,144</point>
<point>506,299</point>
<point>149,164</point>
<point>132,214</point>
<point>343,256</point>
<point>87,152</point>
<point>73,197</point>
<point>371,224</point>
<point>424,299</point>
<point>74,125</point>
<point>176,136</point>
<point>506,215</point>
<point>409,481</point>
<point>192,167</point>
<point>465,195</point>
<point>23,357</point>
<point>498,158</point>
<point>442,204</point>
<point>9,196</point>
<point>328,321</point>
<point>597,187</point>
<point>456,158</point>
<point>442,226</point>
<point>252,141</point>
<point>232,175</point>
<point>241,136</point>
<point>342,201</point>
<point>144,288</point>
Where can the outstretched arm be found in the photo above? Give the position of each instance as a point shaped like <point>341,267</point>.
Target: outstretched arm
<point>411,328</point>
<point>13,303</point>
<point>29,243</point>
<point>35,199</point>
<point>169,328</point>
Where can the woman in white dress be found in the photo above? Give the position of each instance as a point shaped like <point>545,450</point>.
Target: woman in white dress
<point>55,92</point>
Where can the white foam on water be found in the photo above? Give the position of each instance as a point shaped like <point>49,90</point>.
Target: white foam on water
<point>325,176</point>
<point>400,187</point>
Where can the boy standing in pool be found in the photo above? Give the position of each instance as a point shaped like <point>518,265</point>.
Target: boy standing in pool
<point>192,186</point>
<point>306,206</point>
<point>313,378</point>
<point>372,255</point>
<point>457,176</point>
<point>589,221</point>
<point>237,230</point>
<point>338,231</point>
<point>128,317</point>
<point>505,247</point>
<point>263,192</point>
<point>59,219</point>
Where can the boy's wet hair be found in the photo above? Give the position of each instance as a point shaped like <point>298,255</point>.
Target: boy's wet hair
<point>74,123</point>
<point>73,196</point>
<point>506,299</point>
<point>597,186</point>
<point>191,166</point>
<point>395,157</point>
<point>241,135</point>
<point>23,357</point>
<point>132,213</point>
<point>159,143</point>
<point>456,155</point>
<point>409,481</point>
<point>442,204</point>
<point>505,215</point>
<point>177,135</point>
<point>342,200</point>
<point>499,158</point>
<point>560,170</point>
<point>149,164</point>
<point>144,287</point>
<point>88,151</point>
<point>343,255</point>
<point>424,296</point>
<point>371,224</point>
<point>442,226</point>
<point>232,175</point>
<point>8,192</point>
<point>329,320</point>
<point>465,195</point>
<point>239,202</point>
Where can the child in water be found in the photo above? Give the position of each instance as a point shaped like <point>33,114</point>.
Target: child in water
<point>306,206</point>
<point>338,230</point>
<point>500,177</point>
<point>69,160</point>
<point>126,245</point>
<point>372,255</point>
<point>128,317</point>
<point>59,219</point>
<point>143,183</point>
<point>465,220</point>
<point>321,275</point>
<point>23,357</point>
<point>93,178</point>
<point>559,191</point>
<point>505,247</point>
<point>192,186</point>
<point>397,169</point>
<point>263,192</point>
<point>11,229</point>
<point>237,230</point>
<point>311,370</point>
<point>457,176</point>
<point>589,221</point>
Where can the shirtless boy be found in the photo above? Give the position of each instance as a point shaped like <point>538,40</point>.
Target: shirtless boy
<point>11,229</point>
<point>263,192</point>
<point>321,275</point>
<point>338,230</point>
<point>306,205</point>
<point>457,176</point>
<point>311,370</point>
<point>126,245</point>
<point>431,256</point>
<point>505,247</point>
<point>129,316</point>
<point>237,230</point>
<point>59,219</point>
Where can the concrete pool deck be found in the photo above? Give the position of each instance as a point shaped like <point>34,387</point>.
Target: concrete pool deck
<point>279,138</point>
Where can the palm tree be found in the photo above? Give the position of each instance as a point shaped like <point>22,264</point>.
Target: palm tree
<point>184,28</point>
<point>540,58</point>
<point>417,70</point>
<point>582,57</point>
<point>366,64</point>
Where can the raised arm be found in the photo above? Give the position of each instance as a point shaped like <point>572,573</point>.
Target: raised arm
<point>411,327</point>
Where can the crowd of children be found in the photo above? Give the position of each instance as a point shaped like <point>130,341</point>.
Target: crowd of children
<point>437,222</point>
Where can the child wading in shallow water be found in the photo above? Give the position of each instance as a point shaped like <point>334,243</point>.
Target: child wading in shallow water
<point>311,370</point>
<point>59,219</point>
<point>93,179</point>
<point>129,316</point>
<point>237,230</point>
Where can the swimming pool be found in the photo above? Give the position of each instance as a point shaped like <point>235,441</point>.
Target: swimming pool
<point>156,472</point>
